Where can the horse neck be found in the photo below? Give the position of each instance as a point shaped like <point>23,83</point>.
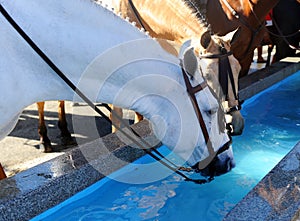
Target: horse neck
<point>130,76</point>
<point>252,9</point>
<point>262,7</point>
<point>65,37</point>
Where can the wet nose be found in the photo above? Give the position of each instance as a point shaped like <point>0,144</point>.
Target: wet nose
<point>218,167</point>
<point>236,132</point>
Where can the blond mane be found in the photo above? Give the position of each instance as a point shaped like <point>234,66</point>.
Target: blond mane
<point>177,24</point>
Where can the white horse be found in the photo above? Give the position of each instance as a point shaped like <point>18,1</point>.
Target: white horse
<point>110,61</point>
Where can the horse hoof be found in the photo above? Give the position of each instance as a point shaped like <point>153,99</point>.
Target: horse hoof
<point>46,147</point>
<point>68,141</point>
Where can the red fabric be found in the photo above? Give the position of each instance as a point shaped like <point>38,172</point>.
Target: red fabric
<point>268,17</point>
<point>2,173</point>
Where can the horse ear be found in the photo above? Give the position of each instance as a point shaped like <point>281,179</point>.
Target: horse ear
<point>184,47</point>
<point>205,39</point>
<point>190,62</point>
<point>231,36</point>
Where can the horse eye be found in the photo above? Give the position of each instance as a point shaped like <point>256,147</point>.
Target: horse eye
<point>212,111</point>
<point>209,112</point>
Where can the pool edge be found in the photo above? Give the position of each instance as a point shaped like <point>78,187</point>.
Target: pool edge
<point>31,192</point>
<point>276,196</point>
<point>260,80</point>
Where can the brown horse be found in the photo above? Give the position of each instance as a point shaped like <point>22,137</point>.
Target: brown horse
<point>66,137</point>
<point>248,16</point>
<point>176,21</point>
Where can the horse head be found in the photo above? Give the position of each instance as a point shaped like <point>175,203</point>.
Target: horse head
<point>217,157</point>
<point>219,77</point>
<point>156,86</point>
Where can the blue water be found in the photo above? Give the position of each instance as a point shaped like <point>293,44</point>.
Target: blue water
<point>272,130</point>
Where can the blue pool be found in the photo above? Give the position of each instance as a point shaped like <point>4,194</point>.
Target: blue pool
<point>272,130</point>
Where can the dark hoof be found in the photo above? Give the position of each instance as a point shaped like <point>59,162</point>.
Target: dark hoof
<point>261,61</point>
<point>46,147</point>
<point>68,141</point>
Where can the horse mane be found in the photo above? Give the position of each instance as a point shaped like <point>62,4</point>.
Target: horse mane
<point>198,11</point>
<point>190,10</point>
<point>189,24</point>
<point>248,6</point>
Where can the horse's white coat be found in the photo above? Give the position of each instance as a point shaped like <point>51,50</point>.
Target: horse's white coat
<point>110,61</point>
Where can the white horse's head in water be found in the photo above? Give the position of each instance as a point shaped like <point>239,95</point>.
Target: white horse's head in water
<point>110,61</point>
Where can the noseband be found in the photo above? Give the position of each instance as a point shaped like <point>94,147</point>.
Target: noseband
<point>225,73</point>
<point>191,92</point>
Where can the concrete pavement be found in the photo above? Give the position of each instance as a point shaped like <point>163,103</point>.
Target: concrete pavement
<point>20,149</point>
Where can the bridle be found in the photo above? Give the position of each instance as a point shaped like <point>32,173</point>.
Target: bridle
<point>243,21</point>
<point>281,35</point>
<point>191,92</point>
<point>142,142</point>
<point>225,73</point>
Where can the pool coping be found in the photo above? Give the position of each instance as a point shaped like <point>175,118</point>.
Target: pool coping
<point>35,190</point>
<point>277,195</point>
<point>31,192</point>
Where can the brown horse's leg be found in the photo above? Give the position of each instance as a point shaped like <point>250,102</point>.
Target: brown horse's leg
<point>118,111</point>
<point>115,121</point>
<point>42,130</point>
<point>66,137</point>
<point>2,173</point>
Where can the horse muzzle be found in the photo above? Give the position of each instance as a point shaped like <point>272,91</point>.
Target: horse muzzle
<point>222,163</point>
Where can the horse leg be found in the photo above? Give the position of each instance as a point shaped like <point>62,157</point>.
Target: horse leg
<point>118,111</point>
<point>65,134</point>
<point>42,130</point>
<point>115,121</point>
<point>2,173</point>
<point>270,49</point>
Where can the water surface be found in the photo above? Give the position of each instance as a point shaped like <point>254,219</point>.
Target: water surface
<point>272,130</point>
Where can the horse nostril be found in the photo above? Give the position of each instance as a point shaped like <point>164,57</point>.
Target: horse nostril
<point>222,168</point>
<point>230,164</point>
<point>219,166</point>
